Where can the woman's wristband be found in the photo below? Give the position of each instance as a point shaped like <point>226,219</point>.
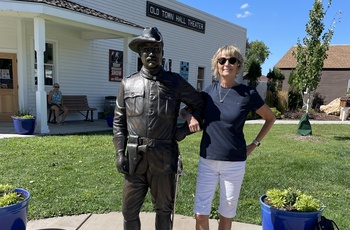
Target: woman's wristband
<point>257,143</point>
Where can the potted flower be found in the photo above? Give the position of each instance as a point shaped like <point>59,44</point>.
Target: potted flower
<point>289,209</point>
<point>13,207</point>
<point>24,122</point>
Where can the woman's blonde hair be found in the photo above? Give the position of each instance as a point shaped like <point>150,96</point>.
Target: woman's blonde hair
<point>229,50</point>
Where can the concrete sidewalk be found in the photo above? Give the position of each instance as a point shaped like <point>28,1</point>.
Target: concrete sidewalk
<point>114,221</point>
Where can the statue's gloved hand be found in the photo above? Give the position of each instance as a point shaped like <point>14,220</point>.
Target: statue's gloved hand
<point>122,163</point>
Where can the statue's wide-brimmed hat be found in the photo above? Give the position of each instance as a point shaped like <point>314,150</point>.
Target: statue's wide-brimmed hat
<point>149,34</point>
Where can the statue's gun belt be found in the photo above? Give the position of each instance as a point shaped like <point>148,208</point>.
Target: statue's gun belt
<point>137,146</point>
<point>148,141</point>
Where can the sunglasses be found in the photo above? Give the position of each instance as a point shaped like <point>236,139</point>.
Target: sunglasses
<point>231,60</point>
<point>56,87</point>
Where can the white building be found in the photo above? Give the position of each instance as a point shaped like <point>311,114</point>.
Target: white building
<point>72,42</point>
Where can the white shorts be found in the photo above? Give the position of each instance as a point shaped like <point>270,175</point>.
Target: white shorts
<point>229,174</point>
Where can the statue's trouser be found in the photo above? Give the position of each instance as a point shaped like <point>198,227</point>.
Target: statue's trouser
<point>136,224</point>
<point>162,190</point>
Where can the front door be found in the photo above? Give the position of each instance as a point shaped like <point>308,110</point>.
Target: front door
<point>8,86</point>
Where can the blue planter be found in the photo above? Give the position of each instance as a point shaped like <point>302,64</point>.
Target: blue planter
<point>15,216</point>
<point>109,119</point>
<point>24,126</point>
<point>276,219</point>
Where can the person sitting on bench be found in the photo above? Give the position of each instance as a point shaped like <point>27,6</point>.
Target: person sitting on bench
<point>55,102</point>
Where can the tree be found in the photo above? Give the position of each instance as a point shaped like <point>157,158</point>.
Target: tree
<point>295,98</point>
<point>254,73</point>
<point>276,76</point>
<point>310,56</point>
<point>257,52</point>
<point>274,85</point>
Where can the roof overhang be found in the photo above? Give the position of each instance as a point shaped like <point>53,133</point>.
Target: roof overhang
<point>89,26</point>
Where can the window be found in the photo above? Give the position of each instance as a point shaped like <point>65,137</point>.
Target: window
<point>200,79</point>
<point>48,65</point>
<point>6,72</point>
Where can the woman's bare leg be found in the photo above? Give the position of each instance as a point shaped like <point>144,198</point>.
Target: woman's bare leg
<point>225,223</point>
<point>202,222</point>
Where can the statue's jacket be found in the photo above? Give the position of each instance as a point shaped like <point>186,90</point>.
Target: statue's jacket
<point>145,120</point>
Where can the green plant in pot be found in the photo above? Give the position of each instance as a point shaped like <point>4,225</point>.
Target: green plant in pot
<point>289,209</point>
<point>24,122</point>
<point>13,207</point>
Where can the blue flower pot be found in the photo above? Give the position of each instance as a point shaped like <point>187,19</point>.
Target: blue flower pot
<point>15,216</point>
<point>276,219</point>
<point>109,119</point>
<point>24,126</point>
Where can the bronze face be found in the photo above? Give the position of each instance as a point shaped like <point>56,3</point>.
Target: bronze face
<point>151,54</point>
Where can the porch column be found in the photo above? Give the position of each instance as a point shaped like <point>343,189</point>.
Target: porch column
<point>127,57</point>
<point>41,104</point>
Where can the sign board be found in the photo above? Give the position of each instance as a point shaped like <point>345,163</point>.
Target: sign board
<point>171,16</point>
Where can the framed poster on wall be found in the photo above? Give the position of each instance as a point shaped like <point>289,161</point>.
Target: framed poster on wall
<point>115,65</point>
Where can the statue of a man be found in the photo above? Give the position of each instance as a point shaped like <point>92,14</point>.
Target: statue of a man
<point>146,134</point>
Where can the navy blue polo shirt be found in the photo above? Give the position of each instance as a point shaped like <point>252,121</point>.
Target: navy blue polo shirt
<point>223,137</point>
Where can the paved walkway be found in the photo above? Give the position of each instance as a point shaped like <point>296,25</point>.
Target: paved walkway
<point>114,221</point>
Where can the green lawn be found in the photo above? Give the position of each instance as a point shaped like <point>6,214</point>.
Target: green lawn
<point>75,174</point>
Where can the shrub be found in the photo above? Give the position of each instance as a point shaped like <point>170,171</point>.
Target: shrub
<point>295,100</point>
<point>282,101</point>
<point>292,199</point>
<point>271,99</point>
<point>276,112</point>
<point>23,113</point>
<point>8,196</point>
<point>317,101</point>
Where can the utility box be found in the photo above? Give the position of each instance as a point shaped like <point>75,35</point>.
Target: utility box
<point>345,101</point>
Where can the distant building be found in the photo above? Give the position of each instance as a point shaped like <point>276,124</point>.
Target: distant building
<point>335,74</point>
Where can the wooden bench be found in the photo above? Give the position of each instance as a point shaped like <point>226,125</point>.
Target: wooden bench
<point>75,103</point>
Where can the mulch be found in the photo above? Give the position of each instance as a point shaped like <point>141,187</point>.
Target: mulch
<point>315,116</point>
<point>325,117</point>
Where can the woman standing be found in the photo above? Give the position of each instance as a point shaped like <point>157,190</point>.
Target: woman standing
<point>223,149</point>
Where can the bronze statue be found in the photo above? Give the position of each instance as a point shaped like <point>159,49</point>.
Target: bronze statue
<point>146,134</point>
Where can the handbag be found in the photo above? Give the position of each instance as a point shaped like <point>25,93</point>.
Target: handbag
<point>326,224</point>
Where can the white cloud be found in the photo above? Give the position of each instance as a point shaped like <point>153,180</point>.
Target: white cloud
<point>244,15</point>
<point>244,6</point>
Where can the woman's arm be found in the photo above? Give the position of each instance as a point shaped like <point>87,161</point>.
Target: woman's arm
<point>49,98</point>
<point>61,104</point>
<point>269,117</point>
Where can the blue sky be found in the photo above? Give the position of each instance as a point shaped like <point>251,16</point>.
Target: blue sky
<point>277,23</point>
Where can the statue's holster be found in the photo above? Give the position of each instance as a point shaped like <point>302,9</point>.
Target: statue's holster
<point>134,152</point>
